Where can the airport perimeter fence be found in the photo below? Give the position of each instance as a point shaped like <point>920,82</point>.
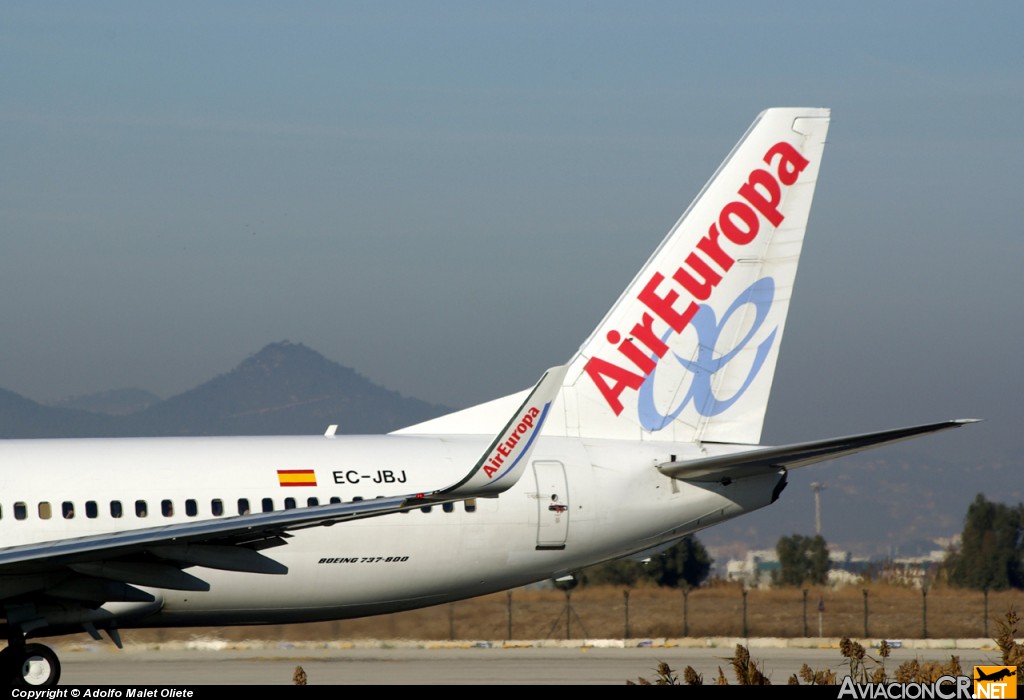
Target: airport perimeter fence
<point>606,612</point>
<point>874,611</point>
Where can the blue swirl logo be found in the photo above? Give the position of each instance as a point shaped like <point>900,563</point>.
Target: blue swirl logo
<point>761,294</point>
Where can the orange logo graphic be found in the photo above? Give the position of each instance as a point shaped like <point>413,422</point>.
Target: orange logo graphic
<point>995,682</point>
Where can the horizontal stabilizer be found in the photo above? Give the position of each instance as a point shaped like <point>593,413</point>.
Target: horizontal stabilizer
<point>802,454</point>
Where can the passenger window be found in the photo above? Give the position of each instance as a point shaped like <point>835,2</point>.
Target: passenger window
<point>91,509</point>
<point>116,511</point>
<point>217,507</point>
<point>243,506</point>
<point>141,511</point>
<point>312,501</point>
<point>167,508</point>
<point>289,503</point>
<point>67,509</point>
<point>448,507</point>
<point>268,505</point>
<point>191,509</point>
<point>470,505</point>
<point>20,511</point>
<point>44,510</point>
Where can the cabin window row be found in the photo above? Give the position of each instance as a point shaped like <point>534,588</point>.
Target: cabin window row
<point>45,509</point>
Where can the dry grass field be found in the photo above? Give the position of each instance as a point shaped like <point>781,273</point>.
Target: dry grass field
<point>601,612</point>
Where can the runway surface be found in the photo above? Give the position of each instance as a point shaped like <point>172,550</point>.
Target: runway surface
<point>475,666</point>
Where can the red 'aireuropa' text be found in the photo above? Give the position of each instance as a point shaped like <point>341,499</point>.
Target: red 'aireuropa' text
<point>698,275</point>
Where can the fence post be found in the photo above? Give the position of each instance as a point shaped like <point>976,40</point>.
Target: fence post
<point>625,599</point>
<point>509,615</point>
<point>865,591</point>
<point>805,612</point>
<point>686,605</point>
<point>821,616</point>
<point>568,614</point>
<point>746,632</point>
<point>924,612</point>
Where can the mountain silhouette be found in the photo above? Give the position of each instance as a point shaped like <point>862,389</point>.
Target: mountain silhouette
<point>23,418</point>
<point>284,389</point>
<point>115,402</point>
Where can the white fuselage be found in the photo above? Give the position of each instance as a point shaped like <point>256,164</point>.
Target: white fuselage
<point>581,502</point>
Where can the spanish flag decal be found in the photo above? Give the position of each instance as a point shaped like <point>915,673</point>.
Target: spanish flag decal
<point>296,477</point>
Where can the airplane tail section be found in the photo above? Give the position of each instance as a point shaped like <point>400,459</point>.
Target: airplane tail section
<point>689,350</point>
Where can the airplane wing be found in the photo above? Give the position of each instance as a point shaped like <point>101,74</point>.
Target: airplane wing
<point>756,461</point>
<point>155,556</point>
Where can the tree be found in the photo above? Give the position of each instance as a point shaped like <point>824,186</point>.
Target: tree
<point>686,562</point>
<point>618,572</point>
<point>802,560</point>
<point>991,552</point>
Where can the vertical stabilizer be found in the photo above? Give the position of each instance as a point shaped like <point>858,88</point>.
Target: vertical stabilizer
<point>688,352</point>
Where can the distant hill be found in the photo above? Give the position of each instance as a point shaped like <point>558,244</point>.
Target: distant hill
<point>117,402</point>
<point>891,503</point>
<point>284,389</point>
<point>24,418</point>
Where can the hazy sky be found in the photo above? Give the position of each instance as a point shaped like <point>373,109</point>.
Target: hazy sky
<point>448,196</point>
